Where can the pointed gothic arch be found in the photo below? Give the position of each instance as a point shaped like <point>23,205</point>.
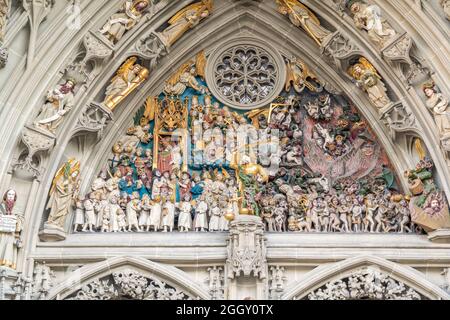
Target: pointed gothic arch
<point>169,275</point>
<point>324,274</point>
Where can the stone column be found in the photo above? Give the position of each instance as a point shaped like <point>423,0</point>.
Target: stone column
<point>246,266</point>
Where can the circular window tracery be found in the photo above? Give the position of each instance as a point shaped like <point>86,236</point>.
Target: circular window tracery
<point>245,75</point>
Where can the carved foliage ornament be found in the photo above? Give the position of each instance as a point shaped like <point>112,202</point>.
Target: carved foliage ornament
<point>365,284</point>
<point>128,285</point>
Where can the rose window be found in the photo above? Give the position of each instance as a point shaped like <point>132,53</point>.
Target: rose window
<point>245,76</point>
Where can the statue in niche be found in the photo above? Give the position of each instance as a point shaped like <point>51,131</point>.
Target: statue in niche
<point>367,78</point>
<point>185,77</point>
<point>446,6</point>
<point>63,192</point>
<point>119,23</point>
<point>439,105</point>
<point>302,17</point>
<point>11,226</point>
<point>129,76</point>
<point>59,102</point>
<point>185,20</point>
<point>368,17</point>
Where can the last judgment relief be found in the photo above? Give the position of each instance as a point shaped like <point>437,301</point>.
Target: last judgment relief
<point>307,162</point>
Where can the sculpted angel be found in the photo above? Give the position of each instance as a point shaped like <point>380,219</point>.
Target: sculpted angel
<point>185,20</point>
<point>367,77</point>
<point>185,77</point>
<point>119,23</point>
<point>439,105</point>
<point>368,17</point>
<point>128,78</point>
<point>64,190</point>
<point>59,102</point>
<point>302,17</point>
<point>300,77</point>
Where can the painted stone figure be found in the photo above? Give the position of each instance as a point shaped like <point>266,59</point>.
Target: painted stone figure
<point>129,76</point>
<point>10,231</point>
<point>185,20</point>
<point>438,104</point>
<point>368,17</point>
<point>367,78</point>
<point>59,102</point>
<point>119,23</point>
<point>302,17</point>
<point>62,193</point>
<point>185,218</point>
<point>201,219</point>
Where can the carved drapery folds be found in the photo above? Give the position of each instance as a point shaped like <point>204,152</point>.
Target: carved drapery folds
<point>365,284</point>
<point>246,248</point>
<point>129,285</point>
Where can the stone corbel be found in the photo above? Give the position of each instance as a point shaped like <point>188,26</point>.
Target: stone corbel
<point>398,54</point>
<point>398,118</point>
<point>151,48</point>
<point>246,248</point>
<point>340,50</point>
<point>37,11</point>
<point>94,118</point>
<point>36,140</point>
<point>97,50</point>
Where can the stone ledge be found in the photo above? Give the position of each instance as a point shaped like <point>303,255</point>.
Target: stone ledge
<point>440,236</point>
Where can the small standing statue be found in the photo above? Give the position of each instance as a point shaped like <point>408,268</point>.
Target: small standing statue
<point>368,17</point>
<point>64,190</point>
<point>119,23</point>
<point>185,20</point>
<point>129,76</point>
<point>185,218</point>
<point>11,225</point>
<point>59,102</point>
<point>367,78</point>
<point>439,105</point>
<point>301,16</point>
<point>250,176</point>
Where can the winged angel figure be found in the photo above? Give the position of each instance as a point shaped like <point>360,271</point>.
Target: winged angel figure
<point>129,76</point>
<point>300,77</point>
<point>186,77</point>
<point>185,20</point>
<point>367,78</point>
<point>302,17</point>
